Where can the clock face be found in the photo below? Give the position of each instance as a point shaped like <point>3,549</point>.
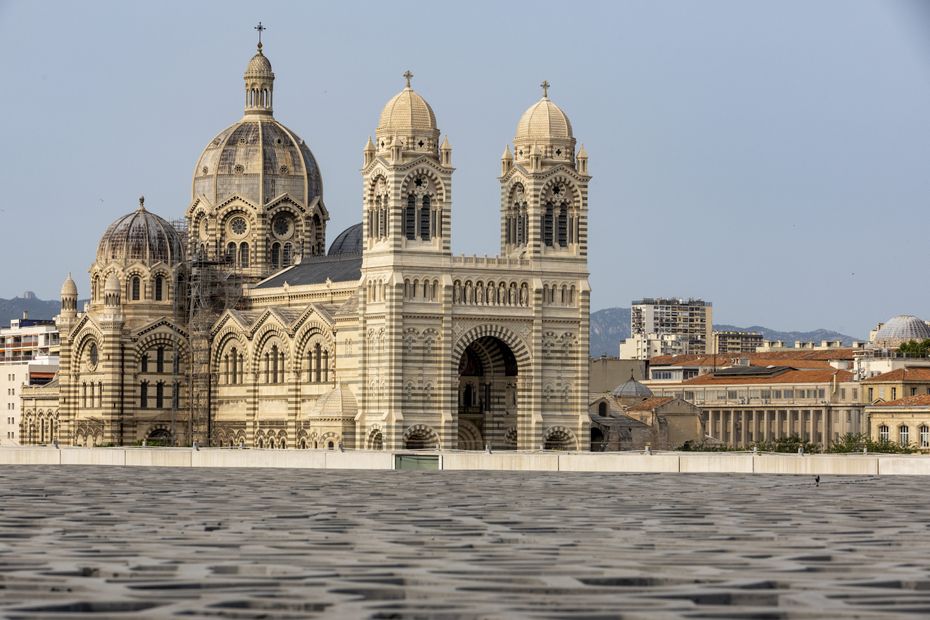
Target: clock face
<point>281,225</point>
<point>238,225</point>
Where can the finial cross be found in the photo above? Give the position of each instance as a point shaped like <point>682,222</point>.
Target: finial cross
<point>260,29</point>
<point>545,86</point>
<point>407,76</point>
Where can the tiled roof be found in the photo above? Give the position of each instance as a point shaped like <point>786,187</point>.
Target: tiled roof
<point>789,376</point>
<point>650,403</point>
<point>816,358</point>
<point>316,270</point>
<point>921,400</point>
<point>901,374</point>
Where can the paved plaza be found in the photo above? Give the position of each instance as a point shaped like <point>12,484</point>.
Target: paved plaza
<point>260,543</point>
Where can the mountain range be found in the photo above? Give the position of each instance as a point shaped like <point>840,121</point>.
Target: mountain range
<point>609,327</point>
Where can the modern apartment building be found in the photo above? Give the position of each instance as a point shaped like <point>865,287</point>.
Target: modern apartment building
<point>736,342</point>
<point>28,357</point>
<point>27,339</point>
<point>689,319</point>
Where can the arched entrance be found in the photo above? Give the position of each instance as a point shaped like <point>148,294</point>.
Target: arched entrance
<point>158,437</point>
<point>487,395</point>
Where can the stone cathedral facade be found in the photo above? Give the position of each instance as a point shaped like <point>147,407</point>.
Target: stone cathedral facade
<point>384,341</point>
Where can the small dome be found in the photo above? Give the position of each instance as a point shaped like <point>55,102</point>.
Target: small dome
<point>407,112</point>
<point>348,241</point>
<point>632,389</point>
<point>141,236</point>
<point>259,66</point>
<point>112,283</point>
<point>901,329</point>
<point>69,288</point>
<point>339,402</point>
<point>543,122</point>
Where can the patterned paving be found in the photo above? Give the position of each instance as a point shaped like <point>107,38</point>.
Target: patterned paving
<point>146,542</point>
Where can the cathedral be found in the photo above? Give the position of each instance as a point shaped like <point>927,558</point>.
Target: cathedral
<point>238,326</point>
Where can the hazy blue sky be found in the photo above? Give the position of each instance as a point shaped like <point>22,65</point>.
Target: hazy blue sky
<point>772,157</point>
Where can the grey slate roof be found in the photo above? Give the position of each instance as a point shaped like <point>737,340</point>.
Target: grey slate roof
<point>316,270</point>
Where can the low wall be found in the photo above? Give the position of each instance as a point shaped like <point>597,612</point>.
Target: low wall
<point>619,462</point>
<point>502,461</point>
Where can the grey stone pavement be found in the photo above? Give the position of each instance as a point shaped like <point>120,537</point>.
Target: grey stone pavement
<point>102,542</point>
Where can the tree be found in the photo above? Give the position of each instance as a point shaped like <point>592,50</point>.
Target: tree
<point>914,348</point>
<point>855,442</point>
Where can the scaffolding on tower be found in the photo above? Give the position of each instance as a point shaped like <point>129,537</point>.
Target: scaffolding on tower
<point>214,285</point>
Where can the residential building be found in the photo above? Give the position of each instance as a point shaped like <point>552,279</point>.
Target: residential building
<point>26,339</point>
<point>15,379</point>
<point>736,342</point>
<point>691,319</point>
<point>646,346</point>
<point>896,384</point>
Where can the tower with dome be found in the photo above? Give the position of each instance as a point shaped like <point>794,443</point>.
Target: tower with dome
<point>385,340</point>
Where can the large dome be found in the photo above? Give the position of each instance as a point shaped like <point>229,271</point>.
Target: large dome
<point>901,329</point>
<point>141,236</point>
<point>258,159</point>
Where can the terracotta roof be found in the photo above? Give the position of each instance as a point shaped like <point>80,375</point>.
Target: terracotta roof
<point>804,358</point>
<point>901,374</point>
<point>789,376</point>
<point>921,400</point>
<point>650,403</point>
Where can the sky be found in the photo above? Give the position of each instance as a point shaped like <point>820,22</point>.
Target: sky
<point>770,157</point>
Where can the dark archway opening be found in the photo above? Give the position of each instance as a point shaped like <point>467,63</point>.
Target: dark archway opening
<point>487,396</point>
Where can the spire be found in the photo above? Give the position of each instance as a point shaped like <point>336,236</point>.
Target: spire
<point>445,143</point>
<point>507,156</point>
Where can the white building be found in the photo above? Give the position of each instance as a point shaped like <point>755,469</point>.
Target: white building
<point>647,346</point>
<point>689,319</point>
<point>28,356</point>
<point>27,339</point>
<point>14,376</point>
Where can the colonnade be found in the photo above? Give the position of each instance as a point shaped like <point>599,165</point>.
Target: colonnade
<point>740,428</point>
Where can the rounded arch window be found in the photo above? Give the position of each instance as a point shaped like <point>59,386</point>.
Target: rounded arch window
<point>136,288</point>
<point>93,355</point>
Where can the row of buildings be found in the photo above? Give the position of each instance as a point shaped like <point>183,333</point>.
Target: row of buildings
<point>675,326</point>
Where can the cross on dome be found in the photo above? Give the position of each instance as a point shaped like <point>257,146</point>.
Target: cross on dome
<point>545,86</point>
<point>407,76</point>
<point>260,29</point>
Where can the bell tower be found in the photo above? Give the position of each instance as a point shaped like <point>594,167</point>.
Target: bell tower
<point>544,187</point>
<point>407,177</point>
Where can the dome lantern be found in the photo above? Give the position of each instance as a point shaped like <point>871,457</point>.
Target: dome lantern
<point>259,81</point>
